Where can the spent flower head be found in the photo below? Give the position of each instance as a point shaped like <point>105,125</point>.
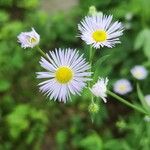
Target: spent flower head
<point>122,86</point>
<point>99,89</point>
<point>139,72</point>
<point>29,39</point>
<point>66,73</point>
<point>99,31</point>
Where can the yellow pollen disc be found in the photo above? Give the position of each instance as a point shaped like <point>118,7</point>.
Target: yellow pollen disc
<point>99,36</point>
<point>63,74</point>
<point>32,40</point>
<point>138,74</point>
<point>122,88</point>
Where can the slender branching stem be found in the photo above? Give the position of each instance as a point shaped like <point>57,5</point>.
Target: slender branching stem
<point>122,100</point>
<point>41,52</point>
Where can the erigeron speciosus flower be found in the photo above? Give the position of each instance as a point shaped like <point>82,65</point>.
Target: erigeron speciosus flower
<point>29,39</point>
<point>99,31</point>
<point>122,86</point>
<point>139,72</point>
<point>66,73</point>
<point>147,99</point>
<point>99,89</point>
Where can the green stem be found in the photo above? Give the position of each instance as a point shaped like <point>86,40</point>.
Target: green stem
<point>127,103</point>
<point>41,52</point>
<point>90,60</point>
<point>90,55</point>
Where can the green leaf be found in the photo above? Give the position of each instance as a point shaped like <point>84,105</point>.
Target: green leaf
<point>4,85</point>
<point>4,16</point>
<point>17,60</point>
<point>142,99</point>
<point>147,47</point>
<point>101,60</point>
<point>61,137</point>
<point>116,143</point>
<point>139,41</point>
<point>143,41</point>
<point>91,142</point>
<point>97,65</point>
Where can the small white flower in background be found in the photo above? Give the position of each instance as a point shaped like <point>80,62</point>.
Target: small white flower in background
<point>29,39</point>
<point>139,72</point>
<point>122,86</point>
<point>99,89</point>
<point>66,73</point>
<point>129,16</point>
<point>127,25</point>
<point>147,119</point>
<point>99,31</point>
<point>147,98</point>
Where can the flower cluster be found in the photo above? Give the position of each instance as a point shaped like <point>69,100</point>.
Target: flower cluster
<point>66,71</point>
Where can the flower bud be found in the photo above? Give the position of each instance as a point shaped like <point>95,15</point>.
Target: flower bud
<point>93,108</point>
<point>92,10</point>
<point>29,39</point>
<point>121,124</point>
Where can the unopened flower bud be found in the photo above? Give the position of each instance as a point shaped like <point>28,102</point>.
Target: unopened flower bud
<point>92,10</point>
<point>29,39</point>
<point>121,124</point>
<point>93,108</point>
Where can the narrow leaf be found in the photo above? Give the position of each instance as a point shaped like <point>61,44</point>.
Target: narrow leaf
<point>142,99</point>
<point>97,65</point>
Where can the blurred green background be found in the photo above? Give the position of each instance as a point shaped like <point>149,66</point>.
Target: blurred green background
<point>30,121</point>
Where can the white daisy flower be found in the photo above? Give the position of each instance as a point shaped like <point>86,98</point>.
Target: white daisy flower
<point>122,86</point>
<point>99,31</point>
<point>99,89</point>
<point>29,39</point>
<point>139,72</point>
<point>66,73</point>
<point>147,98</point>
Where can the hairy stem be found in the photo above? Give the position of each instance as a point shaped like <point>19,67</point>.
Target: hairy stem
<point>127,103</point>
<point>41,52</point>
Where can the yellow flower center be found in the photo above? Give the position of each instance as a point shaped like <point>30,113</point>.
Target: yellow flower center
<point>63,74</point>
<point>32,40</point>
<point>122,88</point>
<point>99,36</point>
<point>138,74</point>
